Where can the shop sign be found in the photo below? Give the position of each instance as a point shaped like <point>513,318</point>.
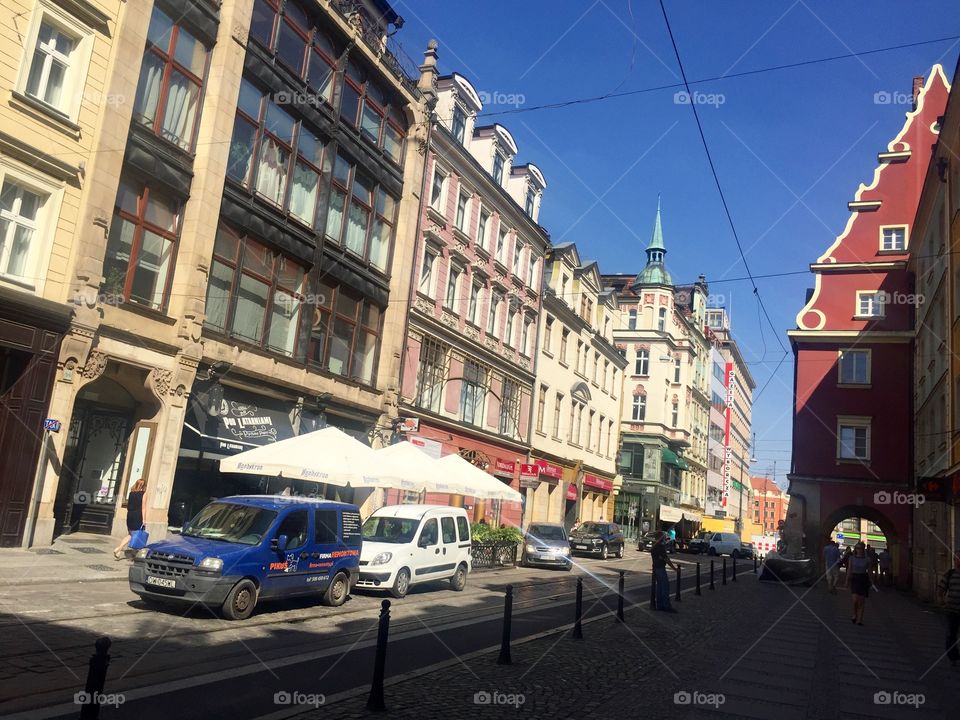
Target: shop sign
<point>529,475</point>
<point>504,466</point>
<point>430,447</point>
<point>549,470</point>
<point>408,425</point>
<point>51,425</point>
<point>571,492</point>
<point>730,377</point>
<point>599,483</point>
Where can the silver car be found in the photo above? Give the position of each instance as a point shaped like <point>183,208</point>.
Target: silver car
<point>547,545</point>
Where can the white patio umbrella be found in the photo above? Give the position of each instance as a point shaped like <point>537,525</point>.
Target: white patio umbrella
<point>476,482</point>
<point>407,467</point>
<point>323,456</point>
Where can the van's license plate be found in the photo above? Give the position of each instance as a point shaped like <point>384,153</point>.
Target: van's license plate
<point>161,582</point>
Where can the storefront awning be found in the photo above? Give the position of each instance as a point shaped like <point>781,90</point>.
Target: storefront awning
<point>692,516</point>
<point>668,513</point>
<point>671,458</point>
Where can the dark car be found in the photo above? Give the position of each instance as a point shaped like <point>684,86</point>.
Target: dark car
<point>597,538</point>
<point>647,541</point>
<point>698,545</point>
<point>746,550</point>
<point>546,544</point>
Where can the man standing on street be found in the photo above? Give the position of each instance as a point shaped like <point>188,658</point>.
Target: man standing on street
<point>831,558</point>
<point>950,597</point>
<point>658,555</point>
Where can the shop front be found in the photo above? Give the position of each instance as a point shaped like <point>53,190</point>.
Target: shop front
<point>501,461</point>
<point>595,498</point>
<point>542,484</point>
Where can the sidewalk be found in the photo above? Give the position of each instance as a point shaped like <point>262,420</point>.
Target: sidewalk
<point>744,650</point>
<point>80,557</point>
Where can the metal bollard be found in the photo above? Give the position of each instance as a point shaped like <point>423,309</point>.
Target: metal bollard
<point>96,679</point>
<point>697,591</point>
<point>620,599</point>
<point>712,586</point>
<point>653,590</point>
<point>734,575</point>
<point>376,701</point>
<point>754,564</point>
<point>578,617</point>
<point>723,580</point>
<point>504,658</point>
<point>678,598</point>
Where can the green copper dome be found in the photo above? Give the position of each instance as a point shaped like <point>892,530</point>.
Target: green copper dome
<point>655,273</point>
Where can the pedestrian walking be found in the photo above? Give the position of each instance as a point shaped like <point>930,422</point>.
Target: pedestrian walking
<point>886,567</point>
<point>134,515</point>
<point>845,566</point>
<point>658,555</point>
<point>950,598</point>
<point>859,574</point>
<point>831,561</point>
<point>874,563</point>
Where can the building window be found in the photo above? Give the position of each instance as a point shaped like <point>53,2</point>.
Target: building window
<point>532,272</point>
<point>662,319</point>
<point>492,314</point>
<point>55,60</point>
<point>501,244</point>
<point>870,304</point>
<point>436,190</point>
<point>632,319</point>
<point>361,215</point>
<point>142,245</point>
<point>321,67</point>
<point>508,335</point>
<point>427,284</point>
<point>854,367</point>
<point>525,338</point>
<point>548,335</point>
<point>22,215</point>
<point>171,78</point>
<point>453,287</point>
<point>529,202</point>
<point>541,407</point>
<point>462,201</point>
<point>588,444</point>
<point>254,293</point>
<point>459,124</point>
<point>564,341</point>
<point>473,391</point>
<point>482,229</point>
<point>346,334</point>
<point>893,238</point>
<point>517,255</point>
<point>853,439</point>
<point>610,432</point>
<point>431,374</point>
<point>642,363</point>
<point>675,414</point>
<point>474,303</point>
<point>557,410</point>
<point>498,168</point>
<point>676,369</point>
<point>276,156</point>
<point>510,409</point>
<point>639,408</point>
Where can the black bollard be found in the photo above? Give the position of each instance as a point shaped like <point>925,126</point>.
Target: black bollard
<point>712,586</point>
<point>734,575</point>
<point>653,590</point>
<point>96,680</point>
<point>697,591</point>
<point>678,598</point>
<point>504,658</point>
<point>754,564</point>
<point>578,618</point>
<point>723,580</point>
<point>376,701</point>
<point>620,599</point>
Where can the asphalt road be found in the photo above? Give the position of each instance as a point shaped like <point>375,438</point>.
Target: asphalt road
<point>167,663</point>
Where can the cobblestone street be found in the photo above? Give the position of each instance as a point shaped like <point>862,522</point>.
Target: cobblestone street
<point>753,650</point>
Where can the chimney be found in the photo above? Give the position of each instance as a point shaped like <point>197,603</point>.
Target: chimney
<point>917,87</point>
<point>428,72</point>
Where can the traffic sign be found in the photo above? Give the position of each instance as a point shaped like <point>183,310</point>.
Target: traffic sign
<point>839,536</point>
<point>51,425</point>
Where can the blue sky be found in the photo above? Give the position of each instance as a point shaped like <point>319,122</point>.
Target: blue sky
<point>790,146</point>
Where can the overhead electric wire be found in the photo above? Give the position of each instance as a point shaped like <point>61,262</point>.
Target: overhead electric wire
<point>716,179</point>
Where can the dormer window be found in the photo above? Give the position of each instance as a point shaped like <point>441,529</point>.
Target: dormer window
<point>498,168</point>
<point>656,256</point>
<point>528,205</point>
<point>459,127</point>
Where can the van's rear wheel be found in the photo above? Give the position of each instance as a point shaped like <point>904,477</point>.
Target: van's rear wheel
<point>337,590</point>
<point>459,580</point>
<point>401,584</point>
<point>241,601</point>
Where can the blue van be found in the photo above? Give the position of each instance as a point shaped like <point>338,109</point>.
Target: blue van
<point>243,549</point>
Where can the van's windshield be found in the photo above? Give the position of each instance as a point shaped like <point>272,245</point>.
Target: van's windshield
<point>230,522</point>
<point>390,530</point>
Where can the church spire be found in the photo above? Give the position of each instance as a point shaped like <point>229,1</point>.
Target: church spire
<point>655,273</point>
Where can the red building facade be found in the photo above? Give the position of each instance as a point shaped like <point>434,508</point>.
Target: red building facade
<point>853,350</point>
<point>769,504</point>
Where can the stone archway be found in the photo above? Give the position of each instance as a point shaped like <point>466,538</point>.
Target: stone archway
<point>895,539</point>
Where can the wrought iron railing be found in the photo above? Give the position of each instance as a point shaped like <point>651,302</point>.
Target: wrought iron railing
<point>492,555</point>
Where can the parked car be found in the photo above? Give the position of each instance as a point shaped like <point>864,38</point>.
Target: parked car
<point>546,544</point>
<point>725,543</point>
<point>746,550</point>
<point>648,539</point>
<point>405,545</point>
<point>698,545</point>
<point>597,538</point>
<point>239,550</point>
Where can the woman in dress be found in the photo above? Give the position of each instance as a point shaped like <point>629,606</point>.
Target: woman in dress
<point>858,570</point>
<point>134,515</point>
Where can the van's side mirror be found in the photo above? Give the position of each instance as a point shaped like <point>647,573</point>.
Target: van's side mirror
<point>279,544</point>
<point>423,541</point>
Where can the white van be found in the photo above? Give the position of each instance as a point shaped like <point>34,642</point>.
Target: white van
<point>725,543</point>
<point>404,545</point>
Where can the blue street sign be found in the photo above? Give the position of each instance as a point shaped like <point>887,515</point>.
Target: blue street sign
<point>51,425</point>
<point>839,536</point>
